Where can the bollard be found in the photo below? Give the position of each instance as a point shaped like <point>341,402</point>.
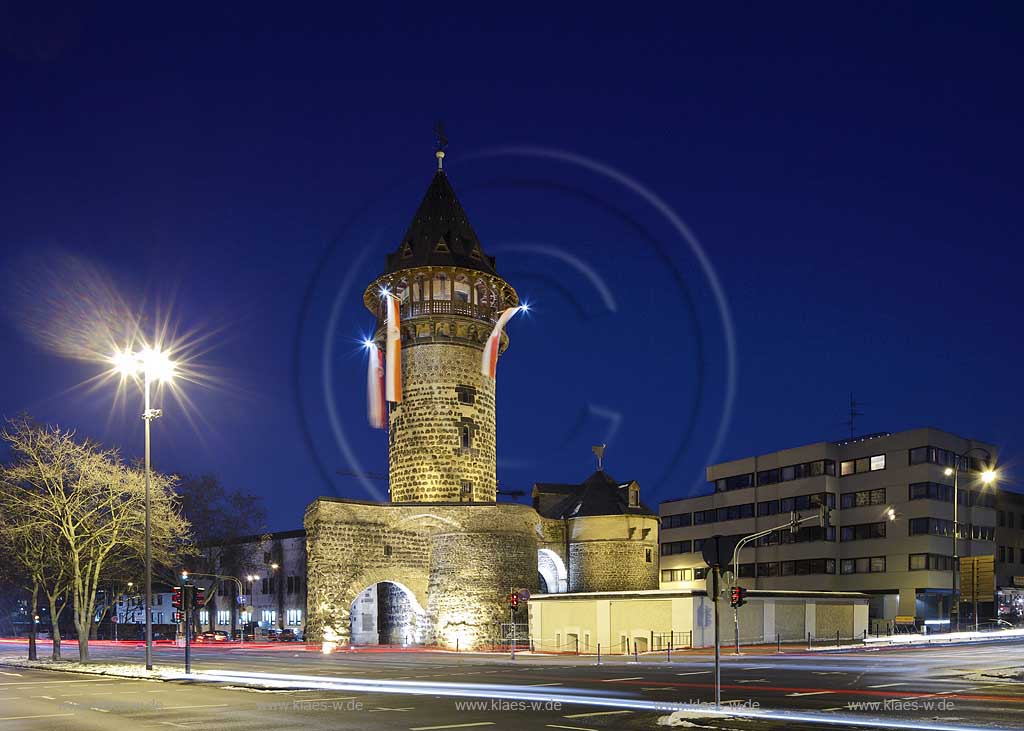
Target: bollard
<point>670,652</point>
<point>865,635</point>
<point>636,657</point>
<point>837,638</point>
<point>808,640</point>
<point>778,642</point>
<point>456,644</point>
<point>577,644</point>
<point>598,653</point>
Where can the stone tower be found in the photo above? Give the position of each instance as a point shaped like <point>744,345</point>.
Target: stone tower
<point>442,435</point>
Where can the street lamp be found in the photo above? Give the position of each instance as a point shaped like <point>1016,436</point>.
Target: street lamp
<point>152,364</point>
<point>988,476</point>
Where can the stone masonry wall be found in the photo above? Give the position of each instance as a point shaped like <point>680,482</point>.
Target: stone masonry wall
<point>427,459</point>
<point>457,560</point>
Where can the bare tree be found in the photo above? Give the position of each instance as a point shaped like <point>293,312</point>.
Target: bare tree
<point>93,503</point>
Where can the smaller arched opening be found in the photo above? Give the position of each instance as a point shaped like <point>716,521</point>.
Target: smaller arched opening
<point>554,579</point>
<point>387,613</point>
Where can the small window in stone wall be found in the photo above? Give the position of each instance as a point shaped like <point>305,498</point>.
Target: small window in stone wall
<point>467,491</point>
<point>467,437</point>
<point>467,394</point>
<point>648,554</point>
<point>387,550</point>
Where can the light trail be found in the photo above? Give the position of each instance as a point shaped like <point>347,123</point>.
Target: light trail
<point>569,696</point>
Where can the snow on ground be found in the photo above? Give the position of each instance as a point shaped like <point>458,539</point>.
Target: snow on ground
<point>122,670</point>
<point>682,719</point>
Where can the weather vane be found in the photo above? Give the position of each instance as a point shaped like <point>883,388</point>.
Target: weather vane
<point>442,142</point>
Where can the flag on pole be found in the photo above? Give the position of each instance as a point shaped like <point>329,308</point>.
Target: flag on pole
<point>375,406</point>
<point>393,358</point>
<point>489,363</point>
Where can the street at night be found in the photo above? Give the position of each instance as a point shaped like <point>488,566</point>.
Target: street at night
<point>419,367</point>
<point>955,686</point>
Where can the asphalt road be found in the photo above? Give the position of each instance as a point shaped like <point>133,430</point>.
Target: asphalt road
<point>944,684</point>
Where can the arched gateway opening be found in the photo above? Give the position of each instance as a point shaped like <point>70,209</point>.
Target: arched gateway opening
<point>554,579</point>
<point>387,613</point>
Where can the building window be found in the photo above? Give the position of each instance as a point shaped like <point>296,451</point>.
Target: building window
<point>862,464</point>
<point>862,498</point>
<point>862,531</point>
<point>204,617</point>
<point>679,520</point>
<point>293,584</point>
<point>634,497</point>
<point>930,562</point>
<point>1002,554</point>
<point>467,394</point>
<point>869,565</point>
<point>223,616</point>
<point>737,482</point>
<point>929,526</point>
<point>467,437</point>
<point>670,548</point>
<point>931,491</point>
<point>387,550</point>
<point>466,491</point>
<point>293,617</point>
<point>647,555</point>
<point>677,575</point>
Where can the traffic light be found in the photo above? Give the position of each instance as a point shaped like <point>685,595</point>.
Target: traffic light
<point>513,601</point>
<point>824,516</point>
<point>200,597</point>
<point>738,597</point>
<point>176,597</point>
<point>179,617</point>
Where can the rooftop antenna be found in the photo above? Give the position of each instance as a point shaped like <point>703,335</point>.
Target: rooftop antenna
<point>442,143</point>
<point>854,413</point>
<point>598,451</point>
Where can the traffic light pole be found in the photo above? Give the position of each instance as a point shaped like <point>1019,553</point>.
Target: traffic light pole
<point>188,595</point>
<point>794,522</point>
<point>718,639</point>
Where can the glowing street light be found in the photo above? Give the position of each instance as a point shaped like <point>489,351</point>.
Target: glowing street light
<point>988,476</point>
<point>153,364</point>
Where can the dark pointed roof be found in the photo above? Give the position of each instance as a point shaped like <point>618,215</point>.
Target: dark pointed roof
<point>599,494</point>
<point>440,234</point>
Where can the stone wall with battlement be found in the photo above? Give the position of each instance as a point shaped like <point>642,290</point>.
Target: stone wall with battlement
<point>457,561</point>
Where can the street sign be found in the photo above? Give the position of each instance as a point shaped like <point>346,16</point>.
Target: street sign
<point>524,595</point>
<point>717,550</point>
<point>113,619</point>
<point>242,599</point>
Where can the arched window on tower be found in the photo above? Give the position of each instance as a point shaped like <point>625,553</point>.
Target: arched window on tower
<point>441,287</point>
<point>461,289</point>
<point>467,437</point>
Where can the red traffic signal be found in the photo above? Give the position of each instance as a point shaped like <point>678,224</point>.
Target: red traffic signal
<point>738,597</point>
<point>176,597</point>
<point>513,600</point>
<point>200,596</point>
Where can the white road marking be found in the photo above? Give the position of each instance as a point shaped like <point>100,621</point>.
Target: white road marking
<point>595,713</point>
<point>205,705</point>
<point>887,685</point>
<point>696,672</point>
<point>452,725</point>
<point>757,680</point>
<point>378,709</point>
<point>101,710</point>
<point>813,692</point>
<point>47,697</point>
<point>616,680</point>
<point>43,715</point>
<point>13,675</point>
<point>573,728</point>
<point>760,667</point>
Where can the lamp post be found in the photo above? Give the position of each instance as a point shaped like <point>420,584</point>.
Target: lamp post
<point>987,477</point>
<point>154,365</point>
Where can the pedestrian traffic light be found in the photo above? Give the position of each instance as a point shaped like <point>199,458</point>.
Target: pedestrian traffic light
<point>513,600</point>
<point>738,597</point>
<point>176,597</point>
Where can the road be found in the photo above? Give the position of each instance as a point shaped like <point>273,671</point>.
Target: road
<point>944,684</point>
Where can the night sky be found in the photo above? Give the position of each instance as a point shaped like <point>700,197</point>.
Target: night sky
<point>847,180</point>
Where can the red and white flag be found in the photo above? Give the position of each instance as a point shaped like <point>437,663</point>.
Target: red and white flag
<point>489,364</point>
<point>375,407</point>
<point>393,358</point>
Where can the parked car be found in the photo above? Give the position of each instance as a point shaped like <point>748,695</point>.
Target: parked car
<point>287,635</point>
<point>214,635</point>
<point>249,635</point>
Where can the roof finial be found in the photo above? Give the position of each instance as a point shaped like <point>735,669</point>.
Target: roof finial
<point>598,451</point>
<point>442,142</point>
